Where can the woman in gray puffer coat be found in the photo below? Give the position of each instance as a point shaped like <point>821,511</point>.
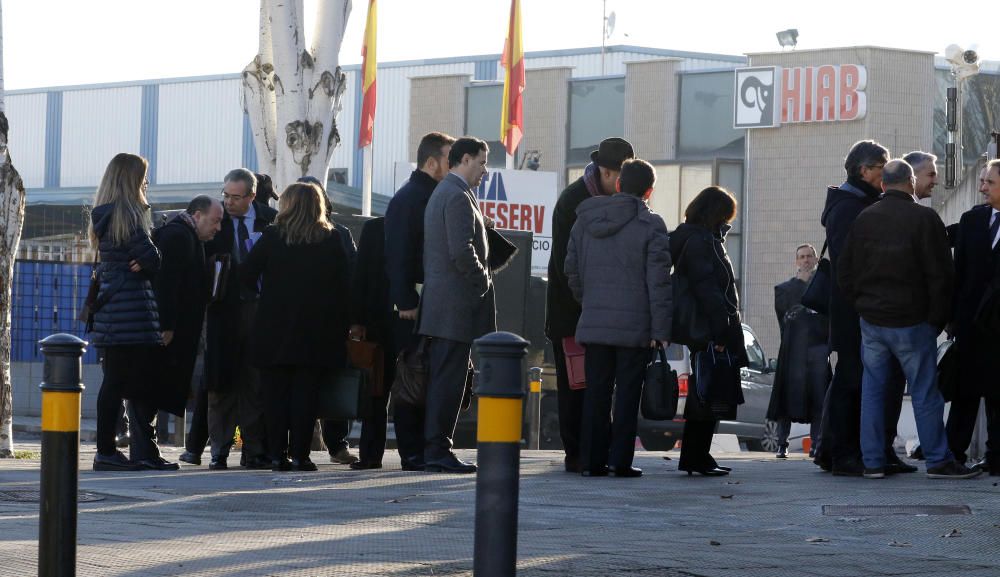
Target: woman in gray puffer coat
<point>125,326</point>
<point>618,267</point>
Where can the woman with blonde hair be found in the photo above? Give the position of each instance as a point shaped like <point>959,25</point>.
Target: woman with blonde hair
<point>301,271</point>
<point>125,325</point>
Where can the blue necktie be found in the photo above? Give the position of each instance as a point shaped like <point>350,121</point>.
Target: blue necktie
<point>993,229</point>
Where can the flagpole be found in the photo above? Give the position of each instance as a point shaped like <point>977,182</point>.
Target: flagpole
<point>366,186</point>
<point>510,162</point>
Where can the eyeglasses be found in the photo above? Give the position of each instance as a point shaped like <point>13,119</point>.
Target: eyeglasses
<point>878,166</point>
<point>234,196</point>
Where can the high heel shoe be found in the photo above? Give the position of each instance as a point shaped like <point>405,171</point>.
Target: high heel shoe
<point>716,472</point>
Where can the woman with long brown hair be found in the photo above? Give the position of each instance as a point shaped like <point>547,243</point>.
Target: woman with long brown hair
<point>126,326</point>
<point>301,271</point>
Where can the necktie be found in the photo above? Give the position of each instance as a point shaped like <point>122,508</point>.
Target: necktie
<point>993,229</point>
<point>243,234</point>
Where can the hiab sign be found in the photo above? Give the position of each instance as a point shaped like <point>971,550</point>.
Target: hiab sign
<point>769,96</point>
<point>522,200</point>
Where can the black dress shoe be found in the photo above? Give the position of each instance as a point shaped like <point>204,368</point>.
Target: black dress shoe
<point>713,464</point>
<point>716,472</point>
<point>897,465</point>
<point>626,471</point>
<point>190,458</point>
<point>362,465</point>
<point>158,464</point>
<point>571,464</point>
<point>595,472</point>
<point>280,465</point>
<point>412,464</point>
<point>218,464</point>
<point>848,468</point>
<point>114,462</point>
<point>303,465</point>
<point>449,464</point>
<point>256,463</point>
<point>981,465</point>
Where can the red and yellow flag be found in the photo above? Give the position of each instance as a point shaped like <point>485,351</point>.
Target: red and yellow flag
<point>367,128</point>
<point>512,116</point>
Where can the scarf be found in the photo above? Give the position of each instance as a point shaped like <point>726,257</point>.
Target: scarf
<point>869,190</point>
<point>592,179</point>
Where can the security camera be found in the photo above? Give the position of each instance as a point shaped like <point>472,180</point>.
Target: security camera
<point>970,57</point>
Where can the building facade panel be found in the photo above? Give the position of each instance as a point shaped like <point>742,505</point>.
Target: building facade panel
<point>97,124</point>
<point>546,111</point>
<point>651,108</point>
<point>200,135</point>
<point>26,115</point>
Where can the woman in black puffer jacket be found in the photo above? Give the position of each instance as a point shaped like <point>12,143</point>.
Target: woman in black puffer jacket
<point>126,326</point>
<point>699,253</point>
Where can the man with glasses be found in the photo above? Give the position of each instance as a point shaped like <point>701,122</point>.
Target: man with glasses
<point>234,396</point>
<point>840,450</point>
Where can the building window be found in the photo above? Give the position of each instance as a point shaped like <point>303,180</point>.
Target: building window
<point>483,104</point>
<point>596,112</point>
<point>706,117</point>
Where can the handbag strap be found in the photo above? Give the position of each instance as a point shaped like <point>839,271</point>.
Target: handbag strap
<point>822,252</point>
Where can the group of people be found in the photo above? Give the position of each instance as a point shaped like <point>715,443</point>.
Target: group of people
<point>281,291</point>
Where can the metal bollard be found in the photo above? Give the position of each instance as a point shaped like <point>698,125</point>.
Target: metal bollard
<point>501,392</point>
<point>61,389</point>
<point>534,407</point>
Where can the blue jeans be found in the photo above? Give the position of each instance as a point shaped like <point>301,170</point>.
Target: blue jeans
<point>916,349</point>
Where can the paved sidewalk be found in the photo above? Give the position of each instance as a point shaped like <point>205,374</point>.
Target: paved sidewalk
<point>765,520</point>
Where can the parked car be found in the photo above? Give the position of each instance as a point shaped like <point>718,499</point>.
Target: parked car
<point>751,426</point>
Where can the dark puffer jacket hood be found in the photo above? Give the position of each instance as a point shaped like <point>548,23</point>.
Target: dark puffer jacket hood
<point>604,216</point>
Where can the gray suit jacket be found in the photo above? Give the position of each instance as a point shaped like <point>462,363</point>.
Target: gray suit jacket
<point>457,302</point>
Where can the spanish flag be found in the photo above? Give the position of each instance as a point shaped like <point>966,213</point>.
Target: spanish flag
<point>512,116</point>
<point>367,128</point>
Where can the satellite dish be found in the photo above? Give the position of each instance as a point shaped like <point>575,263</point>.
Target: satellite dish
<point>611,23</point>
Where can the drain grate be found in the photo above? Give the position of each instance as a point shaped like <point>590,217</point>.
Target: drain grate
<point>881,510</point>
<point>34,496</point>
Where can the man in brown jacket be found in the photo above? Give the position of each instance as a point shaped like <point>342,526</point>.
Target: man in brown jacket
<point>897,271</point>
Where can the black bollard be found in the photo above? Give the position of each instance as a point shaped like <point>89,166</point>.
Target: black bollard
<point>61,390</point>
<point>500,389</point>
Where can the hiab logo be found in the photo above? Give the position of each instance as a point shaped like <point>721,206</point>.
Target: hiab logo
<point>511,216</point>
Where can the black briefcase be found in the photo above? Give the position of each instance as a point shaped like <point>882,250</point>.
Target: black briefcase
<point>660,391</point>
<point>343,395</point>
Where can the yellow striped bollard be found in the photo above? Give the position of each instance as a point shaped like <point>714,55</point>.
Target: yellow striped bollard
<point>61,393</point>
<point>500,389</point>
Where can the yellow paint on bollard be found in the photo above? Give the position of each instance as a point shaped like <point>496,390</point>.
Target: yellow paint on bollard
<point>499,420</point>
<point>536,386</point>
<point>60,412</point>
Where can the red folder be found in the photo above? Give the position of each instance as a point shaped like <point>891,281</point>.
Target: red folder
<point>574,363</point>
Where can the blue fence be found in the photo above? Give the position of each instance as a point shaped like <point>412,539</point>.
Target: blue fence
<point>47,299</point>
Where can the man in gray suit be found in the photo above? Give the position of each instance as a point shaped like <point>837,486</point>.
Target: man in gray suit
<point>458,304</point>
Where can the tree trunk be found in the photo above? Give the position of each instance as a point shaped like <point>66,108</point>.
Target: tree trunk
<point>292,94</point>
<point>12,217</point>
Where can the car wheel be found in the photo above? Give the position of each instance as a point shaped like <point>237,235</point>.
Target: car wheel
<point>657,442</point>
<point>769,439</point>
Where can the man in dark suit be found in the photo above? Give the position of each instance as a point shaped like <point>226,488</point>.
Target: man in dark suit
<point>404,268</point>
<point>977,264</point>
<point>561,310</point>
<point>458,304</point>
<point>234,397</point>
<point>182,290</point>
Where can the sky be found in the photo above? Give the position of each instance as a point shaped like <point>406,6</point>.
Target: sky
<point>69,42</point>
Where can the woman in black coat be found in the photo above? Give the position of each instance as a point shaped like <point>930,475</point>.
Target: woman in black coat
<point>699,253</point>
<point>299,267</point>
<point>125,326</point>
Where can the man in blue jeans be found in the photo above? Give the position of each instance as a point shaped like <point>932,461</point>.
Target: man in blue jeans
<point>897,271</point>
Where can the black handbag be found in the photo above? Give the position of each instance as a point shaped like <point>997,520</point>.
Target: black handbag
<point>688,326</point>
<point>343,395</point>
<point>660,391</point>
<point>410,383</point>
<point>717,381</point>
<point>820,287</point>
<point>947,369</point>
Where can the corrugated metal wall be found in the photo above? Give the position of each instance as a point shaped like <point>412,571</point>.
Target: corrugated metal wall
<point>343,155</point>
<point>200,135</point>
<point>96,125</point>
<point>586,65</point>
<point>26,114</point>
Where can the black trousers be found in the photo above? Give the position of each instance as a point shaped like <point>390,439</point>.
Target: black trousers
<point>408,420</point>
<point>570,404</point>
<point>842,408</point>
<point>962,423</point>
<point>197,437</point>
<point>335,434</point>
<point>242,401</point>
<point>696,441</point>
<point>291,394</point>
<point>126,374</point>
<point>371,447</point>
<point>616,372</point>
<point>449,367</point>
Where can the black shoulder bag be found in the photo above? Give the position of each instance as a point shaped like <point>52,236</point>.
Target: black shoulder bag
<point>660,392</point>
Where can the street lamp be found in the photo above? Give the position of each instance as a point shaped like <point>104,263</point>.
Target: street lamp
<point>788,38</point>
